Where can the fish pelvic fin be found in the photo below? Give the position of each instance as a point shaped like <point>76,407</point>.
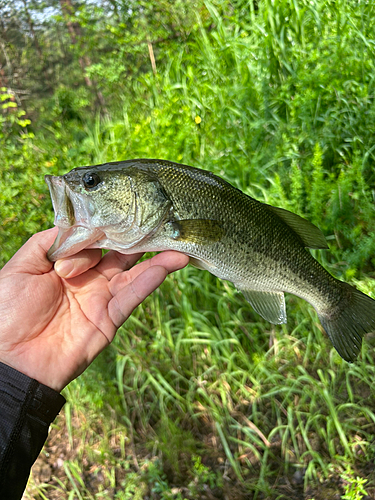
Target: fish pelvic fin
<point>347,326</point>
<point>311,236</point>
<point>270,305</point>
<point>201,264</point>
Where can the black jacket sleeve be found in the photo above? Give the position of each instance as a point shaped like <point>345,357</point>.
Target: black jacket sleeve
<point>27,408</point>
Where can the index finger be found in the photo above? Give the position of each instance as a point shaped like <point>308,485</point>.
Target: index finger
<point>78,264</point>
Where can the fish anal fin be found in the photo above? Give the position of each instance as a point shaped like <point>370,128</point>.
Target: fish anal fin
<point>199,231</point>
<point>270,305</point>
<point>312,236</point>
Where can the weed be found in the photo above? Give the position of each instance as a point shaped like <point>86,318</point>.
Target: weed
<point>197,391</point>
<point>354,486</point>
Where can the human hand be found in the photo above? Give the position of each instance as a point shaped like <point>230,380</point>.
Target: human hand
<point>54,322</point>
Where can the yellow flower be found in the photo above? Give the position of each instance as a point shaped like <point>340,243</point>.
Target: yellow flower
<point>198,119</point>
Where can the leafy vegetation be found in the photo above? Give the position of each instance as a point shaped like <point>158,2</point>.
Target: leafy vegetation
<point>199,397</point>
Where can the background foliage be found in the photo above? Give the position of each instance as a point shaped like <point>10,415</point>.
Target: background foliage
<point>276,96</point>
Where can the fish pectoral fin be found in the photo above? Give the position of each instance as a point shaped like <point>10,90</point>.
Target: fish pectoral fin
<point>312,236</point>
<point>200,231</point>
<point>270,305</point>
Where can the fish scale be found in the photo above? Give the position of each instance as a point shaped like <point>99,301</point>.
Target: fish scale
<point>154,205</point>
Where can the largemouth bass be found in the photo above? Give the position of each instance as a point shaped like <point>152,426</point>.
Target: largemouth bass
<point>153,205</point>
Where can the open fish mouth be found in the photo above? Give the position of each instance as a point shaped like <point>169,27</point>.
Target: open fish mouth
<point>72,240</point>
<point>72,236</point>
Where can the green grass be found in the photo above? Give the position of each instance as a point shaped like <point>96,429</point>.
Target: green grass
<point>199,397</point>
<point>255,402</point>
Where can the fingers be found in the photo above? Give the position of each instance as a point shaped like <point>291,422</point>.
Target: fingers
<point>129,297</point>
<point>170,260</point>
<point>114,262</point>
<point>32,256</point>
<point>130,288</point>
<point>78,264</point>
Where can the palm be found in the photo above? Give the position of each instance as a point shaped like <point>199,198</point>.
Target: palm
<point>52,328</point>
<point>71,314</point>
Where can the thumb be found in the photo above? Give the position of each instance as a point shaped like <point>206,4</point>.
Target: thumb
<point>31,258</point>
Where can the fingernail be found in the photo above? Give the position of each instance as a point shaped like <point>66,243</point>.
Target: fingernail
<point>64,267</point>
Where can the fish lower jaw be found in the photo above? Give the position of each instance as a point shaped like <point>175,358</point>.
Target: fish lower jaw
<point>72,240</point>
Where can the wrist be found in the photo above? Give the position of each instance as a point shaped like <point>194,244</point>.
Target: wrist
<point>35,374</point>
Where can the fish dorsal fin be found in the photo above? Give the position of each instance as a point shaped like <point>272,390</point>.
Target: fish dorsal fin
<point>270,305</point>
<point>200,231</point>
<point>312,236</point>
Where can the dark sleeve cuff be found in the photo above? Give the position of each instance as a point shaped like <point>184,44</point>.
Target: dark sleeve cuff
<point>27,408</point>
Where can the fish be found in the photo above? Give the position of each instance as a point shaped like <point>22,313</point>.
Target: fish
<point>148,205</point>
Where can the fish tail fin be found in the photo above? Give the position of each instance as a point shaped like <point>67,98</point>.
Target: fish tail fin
<point>349,321</point>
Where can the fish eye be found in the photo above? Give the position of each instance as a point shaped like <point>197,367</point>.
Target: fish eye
<point>90,180</point>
